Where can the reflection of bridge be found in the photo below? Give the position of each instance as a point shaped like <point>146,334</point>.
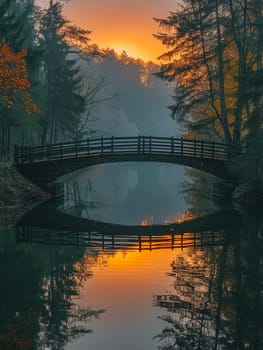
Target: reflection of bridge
<point>112,242</point>
<point>47,217</point>
<point>45,224</point>
<point>44,164</point>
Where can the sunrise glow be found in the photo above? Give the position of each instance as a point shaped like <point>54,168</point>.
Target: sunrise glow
<point>122,25</point>
<point>131,49</point>
<point>125,265</point>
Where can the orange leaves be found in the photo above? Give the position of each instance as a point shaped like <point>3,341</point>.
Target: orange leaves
<point>13,73</point>
<point>14,83</point>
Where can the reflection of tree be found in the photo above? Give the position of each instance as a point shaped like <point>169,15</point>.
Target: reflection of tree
<point>20,305</point>
<point>182,336</point>
<point>62,320</point>
<point>39,293</point>
<point>74,203</point>
<point>18,333</point>
<point>217,297</point>
<point>191,301</point>
<point>242,292</point>
<point>198,192</point>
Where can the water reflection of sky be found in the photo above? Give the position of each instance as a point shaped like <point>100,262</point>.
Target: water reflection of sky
<point>129,193</point>
<point>124,285</point>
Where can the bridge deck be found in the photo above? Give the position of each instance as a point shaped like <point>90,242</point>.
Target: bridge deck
<point>123,145</point>
<point>44,164</point>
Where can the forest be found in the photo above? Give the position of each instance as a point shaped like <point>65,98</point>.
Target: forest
<point>214,58</point>
<point>55,85</point>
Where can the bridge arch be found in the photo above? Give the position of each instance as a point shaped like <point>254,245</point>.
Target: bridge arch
<point>44,164</point>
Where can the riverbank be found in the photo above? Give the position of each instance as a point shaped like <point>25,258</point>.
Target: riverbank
<point>17,195</point>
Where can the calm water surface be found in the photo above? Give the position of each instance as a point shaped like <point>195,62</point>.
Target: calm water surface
<point>80,286</point>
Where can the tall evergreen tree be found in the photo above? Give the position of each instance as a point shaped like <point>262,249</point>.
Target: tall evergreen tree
<point>64,101</point>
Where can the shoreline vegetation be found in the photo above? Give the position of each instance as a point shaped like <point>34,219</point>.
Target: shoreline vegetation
<point>17,195</point>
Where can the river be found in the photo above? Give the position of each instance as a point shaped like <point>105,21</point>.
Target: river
<point>75,275</point>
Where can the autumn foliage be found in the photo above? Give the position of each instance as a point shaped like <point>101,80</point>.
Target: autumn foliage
<point>14,83</point>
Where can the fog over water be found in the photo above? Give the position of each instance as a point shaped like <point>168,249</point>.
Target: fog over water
<point>133,101</point>
<point>130,193</point>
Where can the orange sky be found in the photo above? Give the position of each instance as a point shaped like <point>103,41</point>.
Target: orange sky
<point>122,24</point>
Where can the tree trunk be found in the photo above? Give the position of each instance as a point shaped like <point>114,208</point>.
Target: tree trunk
<point>221,83</point>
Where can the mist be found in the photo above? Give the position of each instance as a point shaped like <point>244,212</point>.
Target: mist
<point>133,101</point>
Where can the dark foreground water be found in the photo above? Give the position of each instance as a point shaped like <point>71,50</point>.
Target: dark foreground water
<point>92,286</point>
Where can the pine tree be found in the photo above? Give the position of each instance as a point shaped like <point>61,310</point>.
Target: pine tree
<point>64,101</point>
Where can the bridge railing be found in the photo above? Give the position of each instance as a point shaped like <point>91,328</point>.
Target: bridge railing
<point>141,145</point>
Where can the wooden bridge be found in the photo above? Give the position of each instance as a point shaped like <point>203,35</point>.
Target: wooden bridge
<point>44,164</point>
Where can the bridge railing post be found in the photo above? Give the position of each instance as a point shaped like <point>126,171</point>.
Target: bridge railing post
<point>172,145</point>
<point>202,148</point>
<point>194,147</point>
<point>61,150</point>
<point>76,149</point>
<point>22,154</point>
<point>16,154</point>
<point>150,145</point>
<point>213,150</point>
<point>112,144</point>
<point>143,144</point>
<point>139,145</point>
<point>30,154</point>
<point>172,241</point>
<point>102,144</point>
<point>25,154</point>
<point>182,146</point>
<point>88,151</point>
<point>48,152</point>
